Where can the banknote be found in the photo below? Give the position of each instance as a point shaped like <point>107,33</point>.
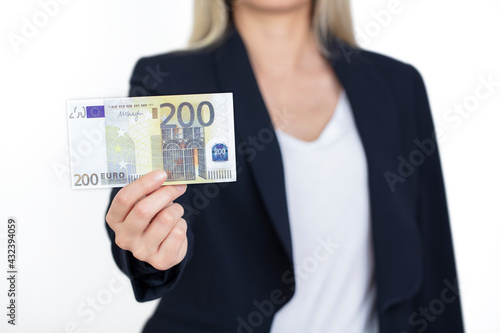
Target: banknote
<point>114,141</point>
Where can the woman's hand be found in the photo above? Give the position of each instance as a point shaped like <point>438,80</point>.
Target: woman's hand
<point>147,223</point>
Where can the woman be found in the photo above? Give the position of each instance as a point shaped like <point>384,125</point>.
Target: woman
<point>338,219</point>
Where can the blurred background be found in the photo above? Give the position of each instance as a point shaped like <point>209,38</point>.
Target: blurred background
<point>54,50</point>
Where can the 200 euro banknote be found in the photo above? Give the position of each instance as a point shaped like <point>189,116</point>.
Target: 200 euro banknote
<point>115,141</point>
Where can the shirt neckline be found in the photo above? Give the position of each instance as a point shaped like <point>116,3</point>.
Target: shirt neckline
<point>329,133</point>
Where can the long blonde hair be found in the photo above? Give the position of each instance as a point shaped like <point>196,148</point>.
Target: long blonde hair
<point>211,18</point>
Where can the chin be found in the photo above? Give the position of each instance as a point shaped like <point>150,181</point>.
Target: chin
<point>273,5</point>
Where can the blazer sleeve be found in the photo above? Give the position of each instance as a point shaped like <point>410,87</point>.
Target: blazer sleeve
<point>148,283</point>
<point>439,274</point>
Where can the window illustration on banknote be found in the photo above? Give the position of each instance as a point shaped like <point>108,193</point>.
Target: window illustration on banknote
<point>183,152</point>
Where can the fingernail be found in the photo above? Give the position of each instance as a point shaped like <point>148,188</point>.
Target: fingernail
<point>181,187</point>
<point>160,175</point>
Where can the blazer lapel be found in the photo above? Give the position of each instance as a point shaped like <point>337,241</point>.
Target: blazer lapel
<point>258,144</point>
<point>395,234</point>
<point>396,240</point>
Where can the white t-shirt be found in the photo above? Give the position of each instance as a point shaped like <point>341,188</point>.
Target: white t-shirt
<point>328,204</point>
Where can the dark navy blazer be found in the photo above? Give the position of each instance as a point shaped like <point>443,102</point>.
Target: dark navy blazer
<point>239,270</point>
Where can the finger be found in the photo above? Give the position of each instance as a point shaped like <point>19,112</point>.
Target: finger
<point>160,227</point>
<point>145,210</point>
<point>126,198</point>
<point>182,251</point>
<point>174,246</point>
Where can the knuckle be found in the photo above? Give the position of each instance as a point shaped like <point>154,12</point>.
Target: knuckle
<point>178,233</point>
<point>142,252</point>
<point>160,265</point>
<point>143,211</point>
<point>122,198</point>
<point>179,208</point>
<point>110,221</point>
<point>168,261</point>
<point>166,218</point>
<point>145,185</point>
<point>165,260</point>
<point>183,225</point>
<point>179,230</point>
<point>123,241</point>
<point>141,187</point>
<point>183,252</point>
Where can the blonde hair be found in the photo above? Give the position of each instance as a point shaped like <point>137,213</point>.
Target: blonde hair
<point>329,17</point>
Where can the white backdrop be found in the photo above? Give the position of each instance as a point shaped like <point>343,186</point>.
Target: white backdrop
<point>68,281</point>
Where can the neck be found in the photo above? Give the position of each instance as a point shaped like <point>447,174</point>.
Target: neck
<point>276,40</point>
